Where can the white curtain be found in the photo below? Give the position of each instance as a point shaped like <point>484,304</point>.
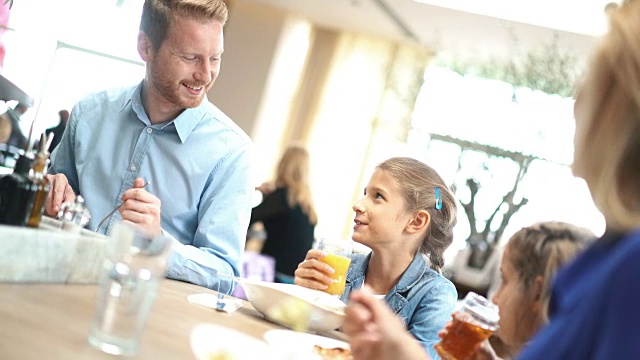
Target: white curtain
<point>363,117</point>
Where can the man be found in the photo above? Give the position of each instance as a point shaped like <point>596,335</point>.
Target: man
<point>58,130</point>
<point>165,131</point>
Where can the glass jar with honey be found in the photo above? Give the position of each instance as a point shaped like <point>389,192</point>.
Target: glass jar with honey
<point>476,320</point>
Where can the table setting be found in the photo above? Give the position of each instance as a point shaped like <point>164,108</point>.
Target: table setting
<point>77,294</point>
<point>49,254</point>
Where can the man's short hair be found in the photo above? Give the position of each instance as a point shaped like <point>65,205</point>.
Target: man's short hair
<point>158,15</point>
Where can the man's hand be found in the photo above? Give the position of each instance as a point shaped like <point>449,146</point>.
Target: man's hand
<point>141,208</point>
<point>60,193</point>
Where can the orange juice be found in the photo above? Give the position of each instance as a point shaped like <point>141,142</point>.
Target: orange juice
<point>340,264</point>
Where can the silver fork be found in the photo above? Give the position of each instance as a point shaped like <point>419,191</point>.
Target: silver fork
<point>109,215</point>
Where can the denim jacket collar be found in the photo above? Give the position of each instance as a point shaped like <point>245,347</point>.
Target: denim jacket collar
<point>397,296</point>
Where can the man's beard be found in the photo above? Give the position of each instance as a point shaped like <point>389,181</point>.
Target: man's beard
<point>170,91</point>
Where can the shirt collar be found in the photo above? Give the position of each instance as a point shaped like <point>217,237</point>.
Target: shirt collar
<point>184,123</point>
<point>409,278</point>
<point>413,274</point>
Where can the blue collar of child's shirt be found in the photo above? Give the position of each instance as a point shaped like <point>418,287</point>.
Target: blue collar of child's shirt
<point>411,276</point>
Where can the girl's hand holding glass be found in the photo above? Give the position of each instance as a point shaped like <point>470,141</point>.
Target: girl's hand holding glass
<point>325,268</point>
<point>313,273</point>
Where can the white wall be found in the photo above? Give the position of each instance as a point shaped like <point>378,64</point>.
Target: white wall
<point>263,62</point>
<point>252,35</point>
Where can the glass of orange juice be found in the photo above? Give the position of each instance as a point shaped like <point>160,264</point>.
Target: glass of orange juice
<point>338,256</point>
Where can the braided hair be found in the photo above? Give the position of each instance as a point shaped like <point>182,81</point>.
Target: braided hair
<point>541,249</point>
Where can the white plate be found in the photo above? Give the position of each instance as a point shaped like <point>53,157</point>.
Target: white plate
<point>299,345</point>
<point>208,340</point>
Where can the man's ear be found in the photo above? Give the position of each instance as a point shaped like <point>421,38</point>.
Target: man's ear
<point>144,46</point>
<point>419,222</point>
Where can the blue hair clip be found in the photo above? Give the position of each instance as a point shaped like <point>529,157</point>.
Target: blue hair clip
<point>438,199</point>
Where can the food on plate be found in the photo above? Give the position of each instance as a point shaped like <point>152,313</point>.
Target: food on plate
<point>292,312</point>
<point>336,353</point>
<point>220,355</point>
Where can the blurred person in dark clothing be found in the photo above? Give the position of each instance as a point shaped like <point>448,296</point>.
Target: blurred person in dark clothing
<point>287,213</point>
<point>58,130</point>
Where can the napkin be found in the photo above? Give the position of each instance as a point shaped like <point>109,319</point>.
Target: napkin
<point>227,305</point>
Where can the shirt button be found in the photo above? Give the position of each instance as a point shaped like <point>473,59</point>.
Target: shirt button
<point>132,168</point>
<point>149,130</point>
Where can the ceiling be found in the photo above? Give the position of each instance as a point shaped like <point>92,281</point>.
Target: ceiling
<point>577,16</point>
<point>455,24</point>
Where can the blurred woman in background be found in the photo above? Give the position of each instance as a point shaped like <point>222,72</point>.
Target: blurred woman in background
<point>287,213</point>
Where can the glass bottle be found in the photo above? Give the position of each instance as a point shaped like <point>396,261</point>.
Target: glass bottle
<point>40,182</point>
<point>17,193</point>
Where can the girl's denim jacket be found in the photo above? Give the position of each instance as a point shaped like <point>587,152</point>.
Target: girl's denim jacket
<point>423,298</point>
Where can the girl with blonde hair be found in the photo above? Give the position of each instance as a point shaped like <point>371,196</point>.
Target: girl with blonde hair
<point>406,216</point>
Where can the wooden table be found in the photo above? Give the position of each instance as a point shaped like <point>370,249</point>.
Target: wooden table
<point>52,321</point>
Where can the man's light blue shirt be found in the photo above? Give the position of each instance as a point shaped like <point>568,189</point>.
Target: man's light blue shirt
<point>198,165</point>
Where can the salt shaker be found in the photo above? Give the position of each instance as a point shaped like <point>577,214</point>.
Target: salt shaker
<point>74,215</point>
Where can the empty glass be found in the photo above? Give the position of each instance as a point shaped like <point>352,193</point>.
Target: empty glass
<point>134,265</point>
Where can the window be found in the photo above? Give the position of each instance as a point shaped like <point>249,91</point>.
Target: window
<point>523,121</point>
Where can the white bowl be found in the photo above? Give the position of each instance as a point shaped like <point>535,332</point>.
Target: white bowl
<point>294,306</point>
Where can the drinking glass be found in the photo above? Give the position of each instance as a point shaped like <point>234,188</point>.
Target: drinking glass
<point>338,256</point>
<point>476,320</point>
<point>133,267</point>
